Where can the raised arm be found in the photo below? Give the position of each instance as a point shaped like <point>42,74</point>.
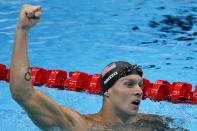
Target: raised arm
<point>43,111</point>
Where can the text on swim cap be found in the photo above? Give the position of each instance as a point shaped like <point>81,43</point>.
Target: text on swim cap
<point>110,77</point>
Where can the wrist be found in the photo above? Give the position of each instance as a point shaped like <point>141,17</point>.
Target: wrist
<point>22,28</point>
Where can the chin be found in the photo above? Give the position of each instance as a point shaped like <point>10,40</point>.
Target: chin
<point>132,113</point>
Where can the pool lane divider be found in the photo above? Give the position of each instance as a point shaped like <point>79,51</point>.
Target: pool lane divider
<point>160,90</point>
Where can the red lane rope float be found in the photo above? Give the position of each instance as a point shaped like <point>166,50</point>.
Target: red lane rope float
<point>146,88</point>
<point>79,81</point>
<point>177,92</point>
<point>194,99</point>
<point>181,91</point>
<point>94,85</point>
<point>56,77</point>
<point>160,90</point>
<point>39,76</point>
<point>3,72</point>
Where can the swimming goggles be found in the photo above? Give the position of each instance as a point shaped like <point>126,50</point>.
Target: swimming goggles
<point>129,69</point>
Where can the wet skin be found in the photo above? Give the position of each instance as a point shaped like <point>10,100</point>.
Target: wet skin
<point>124,98</point>
<point>120,104</point>
<point>126,94</point>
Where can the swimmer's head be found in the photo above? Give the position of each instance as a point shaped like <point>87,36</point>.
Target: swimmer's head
<point>116,70</point>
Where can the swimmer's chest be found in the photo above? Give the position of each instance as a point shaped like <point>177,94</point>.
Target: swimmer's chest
<point>140,124</point>
<point>136,126</point>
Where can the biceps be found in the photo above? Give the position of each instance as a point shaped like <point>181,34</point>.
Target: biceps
<point>42,110</point>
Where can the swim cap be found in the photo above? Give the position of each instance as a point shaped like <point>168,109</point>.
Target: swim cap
<point>114,71</point>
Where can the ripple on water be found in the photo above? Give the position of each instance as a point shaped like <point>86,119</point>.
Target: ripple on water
<point>87,35</point>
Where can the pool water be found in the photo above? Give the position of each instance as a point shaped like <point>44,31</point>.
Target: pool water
<point>86,35</point>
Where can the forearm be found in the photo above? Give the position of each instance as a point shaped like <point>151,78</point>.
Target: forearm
<point>20,81</point>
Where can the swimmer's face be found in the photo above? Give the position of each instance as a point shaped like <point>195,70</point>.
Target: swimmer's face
<point>126,94</point>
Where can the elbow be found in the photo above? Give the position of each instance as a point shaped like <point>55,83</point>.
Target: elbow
<point>14,94</point>
<point>21,95</point>
<point>18,98</point>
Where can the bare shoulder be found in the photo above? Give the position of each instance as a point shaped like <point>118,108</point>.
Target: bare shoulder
<point>153,117</point>
<point>94,120</point>
<point>157,122</point>
<point>153,121</point>
<point>76,120</point>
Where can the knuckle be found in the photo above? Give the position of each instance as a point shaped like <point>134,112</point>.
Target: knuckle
<point>25,6</point>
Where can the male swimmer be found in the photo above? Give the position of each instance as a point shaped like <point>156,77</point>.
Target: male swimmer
<point>121,85</point>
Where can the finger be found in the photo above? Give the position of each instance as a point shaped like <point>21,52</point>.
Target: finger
<point>30,15</point>
<point>38,14</point>
<point>33,12</point>
<point>31,8</point>
<point>36,8</point>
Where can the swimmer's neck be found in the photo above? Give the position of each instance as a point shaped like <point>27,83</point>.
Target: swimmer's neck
<point>111,115</point>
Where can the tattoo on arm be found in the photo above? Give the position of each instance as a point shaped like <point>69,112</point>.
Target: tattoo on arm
<point>28,74</point>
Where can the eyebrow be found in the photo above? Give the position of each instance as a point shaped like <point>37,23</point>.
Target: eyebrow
<point>132,81</point>
<point>129,81</point>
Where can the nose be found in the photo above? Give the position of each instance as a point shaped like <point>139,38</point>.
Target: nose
<point>138,92</point>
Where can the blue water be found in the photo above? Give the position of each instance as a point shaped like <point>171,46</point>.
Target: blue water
<point>86,35</point>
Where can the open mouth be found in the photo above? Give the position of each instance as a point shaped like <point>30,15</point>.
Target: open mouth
<point>136,102</point>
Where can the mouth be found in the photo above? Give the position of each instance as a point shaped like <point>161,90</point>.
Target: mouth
<point>137,102</point>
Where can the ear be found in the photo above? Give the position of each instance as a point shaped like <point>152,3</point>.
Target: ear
<point>107,93</point>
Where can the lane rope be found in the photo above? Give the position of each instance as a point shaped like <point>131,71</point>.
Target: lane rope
<point>160,90</point>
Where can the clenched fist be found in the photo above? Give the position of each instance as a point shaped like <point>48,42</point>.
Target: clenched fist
<point>29,16</point>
